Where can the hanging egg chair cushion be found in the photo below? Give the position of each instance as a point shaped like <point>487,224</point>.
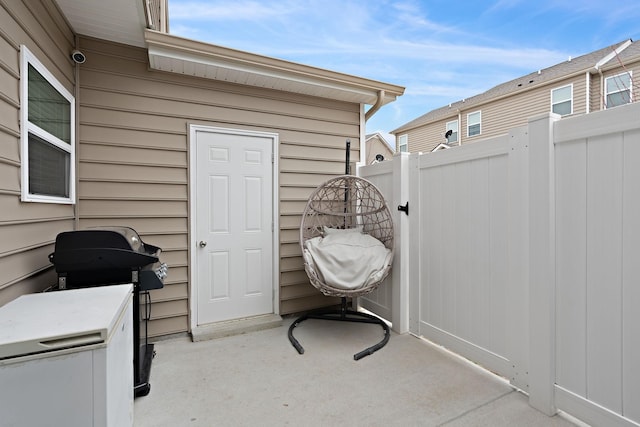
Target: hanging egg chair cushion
<point>347,259</point>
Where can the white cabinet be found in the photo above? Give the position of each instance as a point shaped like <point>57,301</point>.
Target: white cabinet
<point>66,358</point>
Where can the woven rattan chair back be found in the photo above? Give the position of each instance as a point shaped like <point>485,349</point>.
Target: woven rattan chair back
<point>346,202</point>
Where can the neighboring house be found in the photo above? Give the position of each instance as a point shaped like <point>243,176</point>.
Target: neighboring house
<point>145,134</point>
<point>595,81</point>
<point>376,145</point>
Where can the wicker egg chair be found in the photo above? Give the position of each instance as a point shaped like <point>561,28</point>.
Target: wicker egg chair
<point>346,203</point>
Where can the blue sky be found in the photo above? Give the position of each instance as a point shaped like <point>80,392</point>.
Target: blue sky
<point>441,50</point>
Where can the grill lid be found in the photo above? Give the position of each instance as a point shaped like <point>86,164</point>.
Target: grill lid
<point>101,248</point>
<point>106,255</point>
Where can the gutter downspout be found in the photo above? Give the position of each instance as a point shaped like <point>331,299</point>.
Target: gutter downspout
<point>371,111</point>
<point>602,90</point>
<point>459,127</point>
<point>367,115</point>
<point>588,88</point>
<point>76,90</point>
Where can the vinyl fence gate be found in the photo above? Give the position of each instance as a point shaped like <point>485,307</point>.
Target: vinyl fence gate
<point>522,253</point>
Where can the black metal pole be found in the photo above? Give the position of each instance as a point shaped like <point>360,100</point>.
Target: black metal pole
<point>347,169</point>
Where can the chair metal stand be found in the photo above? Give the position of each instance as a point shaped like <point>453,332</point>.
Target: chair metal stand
<point>343,315</point>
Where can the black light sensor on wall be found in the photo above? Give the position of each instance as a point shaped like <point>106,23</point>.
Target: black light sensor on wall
<point>78,57</point>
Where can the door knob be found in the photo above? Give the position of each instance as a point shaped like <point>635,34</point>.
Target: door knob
<point>202,243</point>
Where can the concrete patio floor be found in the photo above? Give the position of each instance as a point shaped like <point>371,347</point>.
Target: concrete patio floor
<point>258,379</point>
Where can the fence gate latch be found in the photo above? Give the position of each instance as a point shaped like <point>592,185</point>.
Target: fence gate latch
<point>404,208</point>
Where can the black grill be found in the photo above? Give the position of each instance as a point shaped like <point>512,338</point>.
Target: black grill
<point>109,256</point>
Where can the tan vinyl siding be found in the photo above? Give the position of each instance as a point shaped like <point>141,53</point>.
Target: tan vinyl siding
<point>513,103</point>
<point>425,138</point>
<point>377,146</point>
<point>596,93</point>
<point>133,158</point>
<point>27,230</point>
<point>500,115</point>
<point>504,114</point>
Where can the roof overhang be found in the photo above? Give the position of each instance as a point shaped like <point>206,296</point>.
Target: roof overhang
<point>127,22</point>
<point>121,21</point>
<point>193,58</point>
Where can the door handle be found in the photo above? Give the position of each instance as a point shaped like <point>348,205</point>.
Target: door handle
<point>202,243</point>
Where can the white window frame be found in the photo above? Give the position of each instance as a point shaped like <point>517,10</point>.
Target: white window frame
<point>28,58</point>
<point>403,141</point>
<point>479,113</point>
<point>630,89</point>
<point>570,99</point>
<point>455,128</point>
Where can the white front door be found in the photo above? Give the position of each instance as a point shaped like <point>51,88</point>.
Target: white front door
<point>233,228</point>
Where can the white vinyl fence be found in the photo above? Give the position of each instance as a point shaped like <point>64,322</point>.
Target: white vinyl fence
<point>380,300</point>
<point>522,253</point>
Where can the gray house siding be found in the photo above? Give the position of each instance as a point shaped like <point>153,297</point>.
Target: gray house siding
<point>28,230</point>
<point>133,160</point>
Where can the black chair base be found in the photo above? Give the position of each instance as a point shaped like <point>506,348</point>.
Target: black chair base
<point>343,315</point>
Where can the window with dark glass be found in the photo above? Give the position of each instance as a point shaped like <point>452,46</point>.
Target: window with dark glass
<point>403,143</point>
<point>562,100</point>
<point>47,135</point>
<point>618,90</point>
<point>474,123</point>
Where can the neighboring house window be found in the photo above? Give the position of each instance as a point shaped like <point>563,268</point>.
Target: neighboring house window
<point>473,123</point>
<point>562,100</point>
<point>403,143</point>
<point>618,90</point>
<point>47,117</point>
<point>453,127</point>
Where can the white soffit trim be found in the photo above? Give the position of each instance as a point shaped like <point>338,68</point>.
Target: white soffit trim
<point>269,73</point>
<point>121,21</point>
